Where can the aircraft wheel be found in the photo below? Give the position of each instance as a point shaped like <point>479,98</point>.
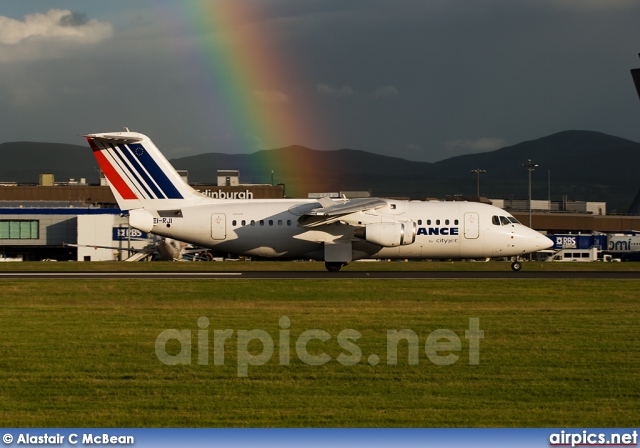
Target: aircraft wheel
<point>333,266</point>
<point>516,266</point>
<point>205,256</point>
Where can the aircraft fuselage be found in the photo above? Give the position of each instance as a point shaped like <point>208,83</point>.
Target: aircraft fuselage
<point>270,229</point>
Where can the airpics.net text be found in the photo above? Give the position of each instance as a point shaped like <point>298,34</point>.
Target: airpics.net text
<point>441,347</point>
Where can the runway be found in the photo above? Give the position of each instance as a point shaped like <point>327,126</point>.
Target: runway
<point>322,275</point>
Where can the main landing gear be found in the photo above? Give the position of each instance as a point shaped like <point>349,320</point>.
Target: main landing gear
<point>333,266</point>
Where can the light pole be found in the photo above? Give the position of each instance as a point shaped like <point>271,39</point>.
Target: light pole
<point>478,171</point>
<point>549,185</point>
<point>529,166</point>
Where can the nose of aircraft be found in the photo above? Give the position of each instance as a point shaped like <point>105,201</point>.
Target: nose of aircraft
<point>536,241</point>
<point>545,243</point>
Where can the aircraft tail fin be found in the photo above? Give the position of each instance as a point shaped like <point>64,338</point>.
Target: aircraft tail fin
<point>138,174</point>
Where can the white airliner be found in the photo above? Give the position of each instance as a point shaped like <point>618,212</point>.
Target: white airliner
<point>335,231</point>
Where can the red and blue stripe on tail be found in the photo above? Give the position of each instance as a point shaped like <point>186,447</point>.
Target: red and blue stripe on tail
<point>140,176</point>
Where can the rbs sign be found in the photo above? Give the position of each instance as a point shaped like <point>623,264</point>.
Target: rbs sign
<point>126,233</point>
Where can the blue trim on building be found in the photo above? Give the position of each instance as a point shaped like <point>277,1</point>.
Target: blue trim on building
<point>60,211</point>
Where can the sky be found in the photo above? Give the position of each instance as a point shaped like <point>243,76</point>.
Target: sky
<point>423,80</point>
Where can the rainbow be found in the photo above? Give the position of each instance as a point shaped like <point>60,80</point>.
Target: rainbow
<point>242,75</point>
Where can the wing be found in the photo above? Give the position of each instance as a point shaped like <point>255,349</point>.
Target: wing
<point>332,211</point>
<point>123,249</point>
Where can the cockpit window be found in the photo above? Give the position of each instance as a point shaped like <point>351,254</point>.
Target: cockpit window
<point>504,221</point>
<point>495,220</point>
<point>513,220</point>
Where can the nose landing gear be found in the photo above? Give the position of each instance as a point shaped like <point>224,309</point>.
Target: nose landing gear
<point>516,264</point>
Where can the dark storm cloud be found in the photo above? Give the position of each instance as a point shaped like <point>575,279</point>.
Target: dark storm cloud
<point>423,80</point>
<point>486,71</point>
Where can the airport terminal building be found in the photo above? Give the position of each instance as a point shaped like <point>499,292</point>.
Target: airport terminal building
<point>83,223</point>
<point>72,221</point>
<point>65,231</point>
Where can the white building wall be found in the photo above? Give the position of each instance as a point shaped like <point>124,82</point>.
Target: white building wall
<point>93,231</point>
<point>539,205</point>
<point>597,208</point>
<point>109,231</point>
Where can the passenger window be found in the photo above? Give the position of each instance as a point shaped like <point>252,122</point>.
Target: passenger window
<point>428,222</point>
<point>455,222</point>
<point>234,223</point>
<point>262,222</point>
<point>271,222</point>
<point>437,222</point>
<point>279,222</point>
<point>446,222</point>
<point>495,220</point>
<point>288,222</point>
<point>244,223</point>
<point>504,221</point>
<point>419,222</point>
<point>253,223</point>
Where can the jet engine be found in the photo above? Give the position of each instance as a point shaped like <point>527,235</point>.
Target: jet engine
<point>388,234</point>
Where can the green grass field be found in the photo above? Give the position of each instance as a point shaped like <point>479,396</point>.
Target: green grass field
<point>554,353</point>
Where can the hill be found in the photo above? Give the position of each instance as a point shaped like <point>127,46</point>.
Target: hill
<point>572,153</point>
<point>584,165</point>
<point>23,161</point>
<point>305,170</point>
